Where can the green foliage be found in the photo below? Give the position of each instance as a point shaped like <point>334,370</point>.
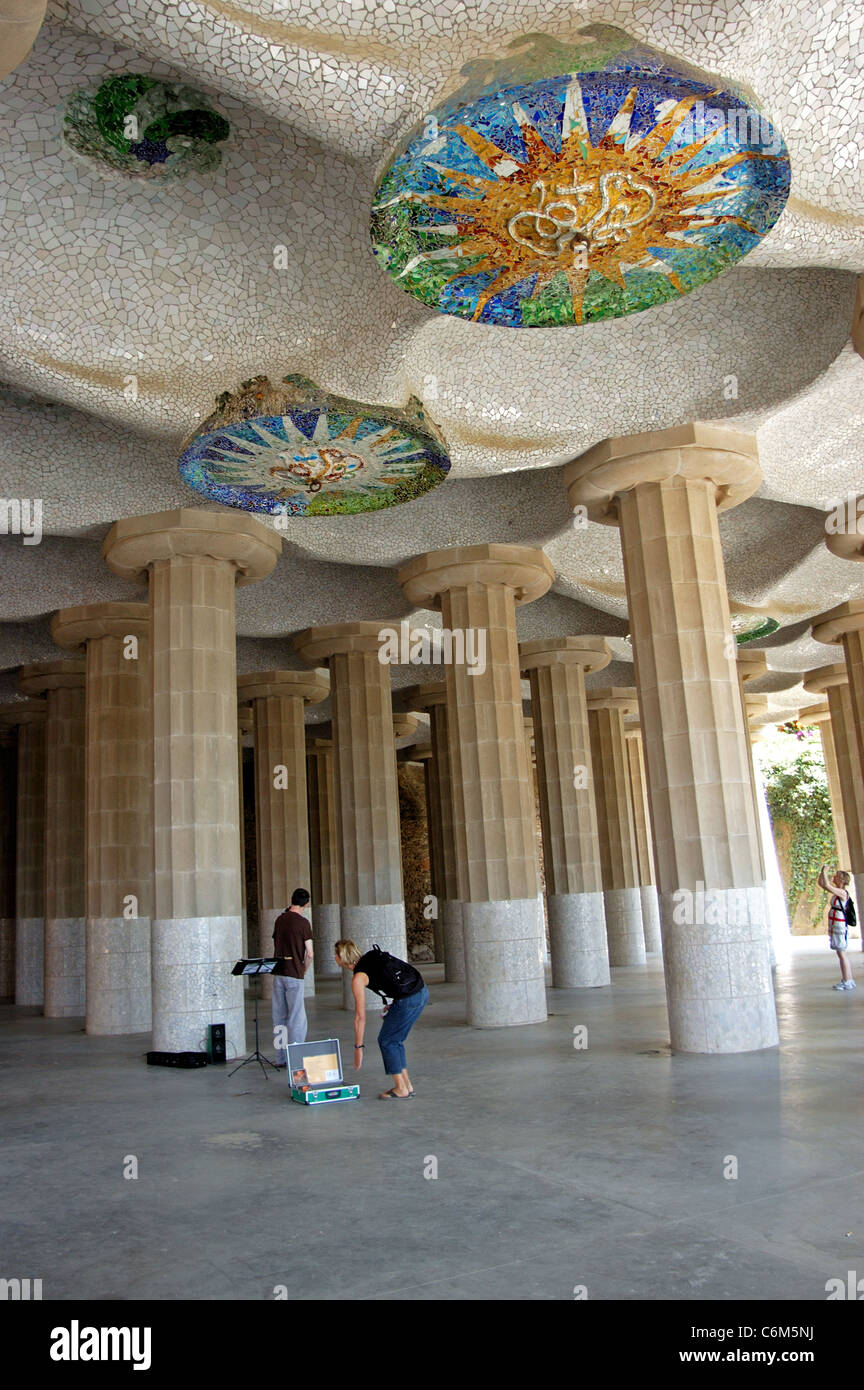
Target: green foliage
<point>797,793</point>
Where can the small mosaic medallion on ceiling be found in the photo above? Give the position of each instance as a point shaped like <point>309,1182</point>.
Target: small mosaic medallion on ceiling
<point>568,183</point>
<point>144,127</point>
<point>296,450</point>
<point>752,627</point>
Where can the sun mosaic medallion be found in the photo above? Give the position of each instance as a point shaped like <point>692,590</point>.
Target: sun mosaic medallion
<point>570,183</point>
<point>296,450</point>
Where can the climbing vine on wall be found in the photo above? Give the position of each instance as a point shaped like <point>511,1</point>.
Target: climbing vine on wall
<point>797,792</point>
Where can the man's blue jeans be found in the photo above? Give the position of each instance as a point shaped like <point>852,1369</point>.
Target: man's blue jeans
<point>400,1019</point>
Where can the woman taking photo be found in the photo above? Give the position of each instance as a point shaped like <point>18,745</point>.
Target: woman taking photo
<point>398,981</point>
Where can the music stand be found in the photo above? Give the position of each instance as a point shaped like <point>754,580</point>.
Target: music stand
<point>257,966</point>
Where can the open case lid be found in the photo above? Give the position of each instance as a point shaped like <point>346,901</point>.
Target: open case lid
<point>314,1064</point>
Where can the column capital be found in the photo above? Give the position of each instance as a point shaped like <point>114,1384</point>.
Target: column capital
<point>751,665</point>
<point>245,720</point>
<point>403,725</point>
<point>755,705</point>
<point>424,697</point>
<point>318,644</point>
<point>72,628</point>
<point>726,458</point>
<point>832,625</point>
<point>614,697</point>
<point>318,747</point>
<point>40,676</point>
<point>591,653</point>
<point>309,686</point>
<point>24,712</point>
<point>814,714</point>
<point>825,677</point>
<point>416,753</point>
<point>524,569</point>
<point>135,542</point>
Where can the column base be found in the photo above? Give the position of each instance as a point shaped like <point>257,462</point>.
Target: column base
<point>65,982</point>
<point>118,975</point>
<point>624,933</point>
<point>577,940</point>
<point>30,960</point>
<point>651,918</point>
<point>381,924</point>
<point>438,938</point>
<point>193,985</point>
<point>504,948</point>
<point>326,931</point>
<point>718,973</point>
<point>7,959</point>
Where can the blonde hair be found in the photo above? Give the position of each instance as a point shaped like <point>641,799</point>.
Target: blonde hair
<point>347,952</point>
<point>845,875</point>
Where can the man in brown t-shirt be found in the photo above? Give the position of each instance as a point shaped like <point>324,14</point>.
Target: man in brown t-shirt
<point>292,942</point>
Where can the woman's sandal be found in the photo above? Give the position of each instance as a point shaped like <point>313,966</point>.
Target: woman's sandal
<point>394,1095</point>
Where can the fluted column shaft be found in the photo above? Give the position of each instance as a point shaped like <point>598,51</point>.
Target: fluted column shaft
<point>367,794</point>
<point>494,826</point>
<point>663,490</point>
<point>568,811</point>
<point>619,864</point>
<point>833,681</point>
<point>448,920</point>
<point>644,841</point>
<point>194,559</point>
<point>30,859</point>
<point>325,868</point>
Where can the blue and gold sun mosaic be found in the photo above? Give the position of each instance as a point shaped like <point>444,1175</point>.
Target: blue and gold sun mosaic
<point>568,183</point>
<point>296,450</point>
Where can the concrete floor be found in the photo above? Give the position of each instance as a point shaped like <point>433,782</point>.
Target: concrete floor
<point>557,1167</point>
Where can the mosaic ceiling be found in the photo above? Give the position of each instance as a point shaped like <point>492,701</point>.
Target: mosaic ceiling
<point>133,301</point>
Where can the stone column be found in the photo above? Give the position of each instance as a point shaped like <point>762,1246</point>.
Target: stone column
<point>62,683</point>
<point>664,489</point>
<point>833,681</point>
<point>118,821</point>
<point>433,698</point>
<point>494,828</point>
<point>278,699</point>
<point>821,715</point>
<point>29,716</point>
<point>619,862</point>
<point>644,838</point>
<point>325,869</point>
<point>556,668</point>
<point>245,727</point>
<point>750,666</point>
<point>194,558</point>
<point>367,795</point>
<point>425,756</point>
<point>844,626</point>
<point>8,800</point>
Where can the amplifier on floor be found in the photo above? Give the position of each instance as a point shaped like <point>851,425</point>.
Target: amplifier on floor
<point>216,1042</point>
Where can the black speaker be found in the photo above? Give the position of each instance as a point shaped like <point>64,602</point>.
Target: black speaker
<point>177,1059</point>
<point>216,1042</point>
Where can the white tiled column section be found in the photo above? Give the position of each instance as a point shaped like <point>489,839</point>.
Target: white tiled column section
<point>324,859</point>
<point>118,823</point>
<point>494,825</point>
<point>65,977</point>
<point>278,699</point>
<point>194,559</point>
<point>367,795</point>
<point>619,860</point>
<point>557,668</point>
<point>29,717</point>
<point>433,698</point>
<point>664,489</point>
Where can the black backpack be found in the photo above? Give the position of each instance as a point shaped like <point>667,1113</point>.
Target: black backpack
<point>396,978</point>
<point>849,913</point>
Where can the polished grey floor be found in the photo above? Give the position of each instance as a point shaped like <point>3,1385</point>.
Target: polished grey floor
<point>558,1168</point>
